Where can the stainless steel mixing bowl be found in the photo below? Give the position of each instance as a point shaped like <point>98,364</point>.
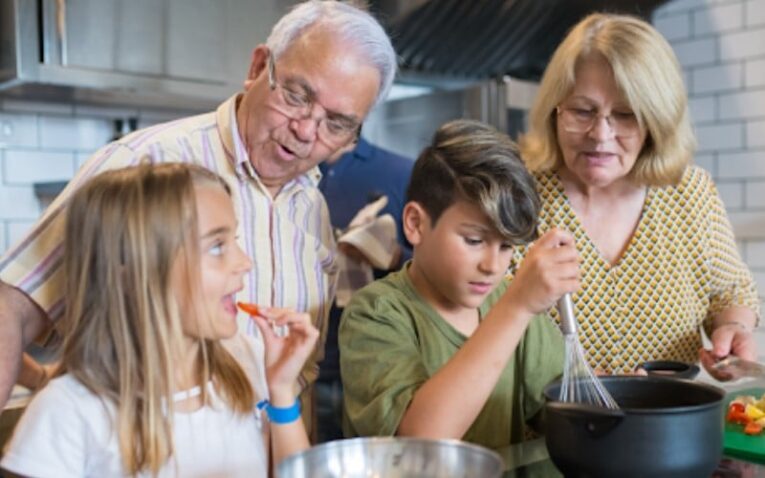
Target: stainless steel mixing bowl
<point>393,457</point>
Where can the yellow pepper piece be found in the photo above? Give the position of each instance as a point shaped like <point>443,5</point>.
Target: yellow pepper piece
<point>753,412</point>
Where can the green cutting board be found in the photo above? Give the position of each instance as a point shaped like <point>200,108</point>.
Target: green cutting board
<point>735,441</point>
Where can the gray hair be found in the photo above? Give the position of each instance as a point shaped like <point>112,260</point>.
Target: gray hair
<point>350,23</point>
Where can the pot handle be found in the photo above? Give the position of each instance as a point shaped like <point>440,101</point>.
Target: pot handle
<point>597,421</point>
<point>670,368</point>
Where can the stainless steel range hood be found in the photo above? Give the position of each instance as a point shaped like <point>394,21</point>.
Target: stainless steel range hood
<point>488,38</point>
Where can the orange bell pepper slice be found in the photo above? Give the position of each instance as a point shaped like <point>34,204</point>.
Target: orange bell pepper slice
<point>752,428</point>
<point>248,308</point>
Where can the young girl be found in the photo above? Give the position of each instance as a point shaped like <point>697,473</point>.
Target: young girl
<point>148,386</point>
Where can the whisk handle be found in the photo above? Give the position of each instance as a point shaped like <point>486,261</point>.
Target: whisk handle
<point>566,312</point>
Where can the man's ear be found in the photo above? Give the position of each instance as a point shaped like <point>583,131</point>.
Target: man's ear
<point>415,219</point>
<point>257,65</point>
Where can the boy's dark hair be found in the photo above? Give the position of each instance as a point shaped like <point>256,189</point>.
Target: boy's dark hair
<point>472,161</point>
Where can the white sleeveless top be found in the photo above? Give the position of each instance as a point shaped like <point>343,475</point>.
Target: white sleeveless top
<point>66,431</point>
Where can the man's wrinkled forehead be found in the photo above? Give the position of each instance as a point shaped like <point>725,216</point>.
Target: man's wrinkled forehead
<point>328,68</point>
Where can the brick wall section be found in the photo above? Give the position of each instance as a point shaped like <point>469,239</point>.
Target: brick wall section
<point>721,47</point>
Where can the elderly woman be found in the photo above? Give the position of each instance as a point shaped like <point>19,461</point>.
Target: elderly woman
<point>610,145</point>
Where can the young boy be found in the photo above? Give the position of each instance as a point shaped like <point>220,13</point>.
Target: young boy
<point>447,347</point>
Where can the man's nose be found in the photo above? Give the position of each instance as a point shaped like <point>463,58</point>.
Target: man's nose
<point>306,126</point>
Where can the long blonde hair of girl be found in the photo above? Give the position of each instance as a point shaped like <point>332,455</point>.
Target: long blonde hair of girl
<point>125,231</point>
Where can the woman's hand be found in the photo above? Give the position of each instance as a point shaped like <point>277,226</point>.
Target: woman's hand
<point>734,339</point>
<point>285,356</point>
<point>732,335</point>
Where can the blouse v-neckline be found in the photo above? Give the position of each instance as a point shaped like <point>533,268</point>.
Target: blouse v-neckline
<point>645,217</point>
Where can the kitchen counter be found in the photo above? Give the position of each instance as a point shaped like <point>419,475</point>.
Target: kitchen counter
<point>531,460</point>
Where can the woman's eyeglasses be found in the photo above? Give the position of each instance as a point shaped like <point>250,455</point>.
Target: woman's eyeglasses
<point>624,124</point>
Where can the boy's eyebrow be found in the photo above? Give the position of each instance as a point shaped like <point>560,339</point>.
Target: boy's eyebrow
<point>478,227</point>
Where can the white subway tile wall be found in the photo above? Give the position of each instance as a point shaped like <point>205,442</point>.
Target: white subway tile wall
<point>720,137</point>
<point>748,104</point>
<point>755,252</point>
<point>748,43</point>
<point>696,52</point>
<point>706,161</point>
<point>18,203</point>
<point>24,167</point>
<point>743,165</point>
<point>703,109</point>
<point>755,194</point>
<point>732,194</point>
<point>674,26</point>
<point>721,47</point>
<point>755,73</point>
<point>755,15</point>
<point>48,142</point>
<point>18,129</point>
<point>62,132</point>
<point>716,19</point>
<point>18,229</point>
<point>755,135</point>
<point>716,78</point>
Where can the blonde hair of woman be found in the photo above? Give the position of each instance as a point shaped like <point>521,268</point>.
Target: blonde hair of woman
<point>648,74</point>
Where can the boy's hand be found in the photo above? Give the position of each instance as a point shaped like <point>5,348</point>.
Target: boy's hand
<point>285,356</point>
<point>549,270</point>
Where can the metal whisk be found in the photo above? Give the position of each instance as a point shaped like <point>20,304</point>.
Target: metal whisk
<point>579,384</point>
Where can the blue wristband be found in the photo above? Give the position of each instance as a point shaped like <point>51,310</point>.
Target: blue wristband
<point>280,415</point>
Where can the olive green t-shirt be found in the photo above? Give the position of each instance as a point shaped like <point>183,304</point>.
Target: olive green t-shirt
<point>391,342</point>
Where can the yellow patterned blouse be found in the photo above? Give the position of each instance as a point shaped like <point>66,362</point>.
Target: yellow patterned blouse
<point>680,268</point>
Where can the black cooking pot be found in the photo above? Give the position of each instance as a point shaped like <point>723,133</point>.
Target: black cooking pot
<point>665,427</point>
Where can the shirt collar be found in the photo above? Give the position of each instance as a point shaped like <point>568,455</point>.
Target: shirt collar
<point>237,153</point>
<point>225,117</point>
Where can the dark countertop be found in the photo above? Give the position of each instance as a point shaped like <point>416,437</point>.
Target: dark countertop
<point>531,460</point>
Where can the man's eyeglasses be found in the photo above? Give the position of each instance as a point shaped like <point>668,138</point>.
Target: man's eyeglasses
<point>624,124</point>
<point>334,129</point>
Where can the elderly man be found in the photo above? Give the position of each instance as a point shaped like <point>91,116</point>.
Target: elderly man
<point>308,90</point>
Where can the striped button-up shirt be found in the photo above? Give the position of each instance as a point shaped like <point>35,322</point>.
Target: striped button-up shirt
<point>289,237</point>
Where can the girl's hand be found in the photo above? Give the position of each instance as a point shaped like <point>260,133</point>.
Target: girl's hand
<point>285,356</point>
<point>549,270</point>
